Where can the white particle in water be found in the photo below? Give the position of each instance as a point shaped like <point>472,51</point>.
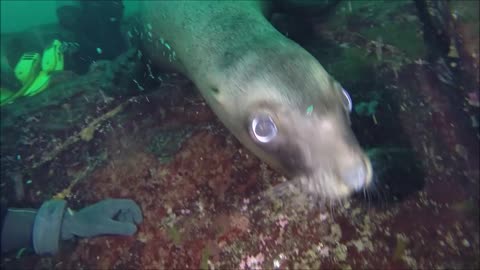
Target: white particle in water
<point>276,263</point>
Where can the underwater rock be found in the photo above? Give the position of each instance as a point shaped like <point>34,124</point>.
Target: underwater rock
<point>166,143</point>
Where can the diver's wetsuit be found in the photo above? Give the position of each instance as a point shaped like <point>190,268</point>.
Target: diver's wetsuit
<point>21,237</point>
<point>96,26</point>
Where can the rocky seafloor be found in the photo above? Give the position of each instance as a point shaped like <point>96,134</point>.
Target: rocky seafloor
<point>201,192</point>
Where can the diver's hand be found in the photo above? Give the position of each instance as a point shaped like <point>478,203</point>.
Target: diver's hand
<point>110,216</point>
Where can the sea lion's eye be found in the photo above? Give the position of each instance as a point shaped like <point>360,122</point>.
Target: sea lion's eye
<point>263,128</point>
<point>347,100</point>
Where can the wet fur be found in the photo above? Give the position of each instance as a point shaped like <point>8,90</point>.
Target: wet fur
<point>242,65</point>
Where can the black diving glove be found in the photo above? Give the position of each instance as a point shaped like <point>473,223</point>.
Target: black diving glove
<point>43,229</point>
<point>54,222</point>
<point>107,217</point>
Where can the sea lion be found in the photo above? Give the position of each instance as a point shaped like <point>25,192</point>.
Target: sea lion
<point>267,90</point>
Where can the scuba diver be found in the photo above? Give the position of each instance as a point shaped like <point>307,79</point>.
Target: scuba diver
<point>96,26</point>
<point>92,29</point>
<point>42,230</point>
<point>93,32</point>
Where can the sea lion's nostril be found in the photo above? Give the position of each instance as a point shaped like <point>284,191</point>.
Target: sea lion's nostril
<point>355,177</point>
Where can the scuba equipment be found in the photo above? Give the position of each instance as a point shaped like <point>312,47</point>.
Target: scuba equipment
<point>33,71</point>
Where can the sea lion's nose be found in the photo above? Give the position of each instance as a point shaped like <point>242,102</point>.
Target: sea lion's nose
<point>356,176</point>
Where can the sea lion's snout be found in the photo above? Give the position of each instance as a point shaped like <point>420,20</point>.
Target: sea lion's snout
<point>355,175</point>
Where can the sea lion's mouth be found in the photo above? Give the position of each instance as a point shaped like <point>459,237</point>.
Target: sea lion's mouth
<point>328,184</point>
<point>323,186</point>
<point>337,180</point>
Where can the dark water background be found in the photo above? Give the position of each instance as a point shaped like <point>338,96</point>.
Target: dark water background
<point>112,125</point>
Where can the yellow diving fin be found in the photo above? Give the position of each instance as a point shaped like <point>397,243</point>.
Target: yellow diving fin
<point>26,72</point>
<point>34,71</point>
<point>52,60</point>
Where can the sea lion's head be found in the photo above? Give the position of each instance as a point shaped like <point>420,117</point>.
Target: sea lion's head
<point>314,146</point>
<point>292,114</point>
